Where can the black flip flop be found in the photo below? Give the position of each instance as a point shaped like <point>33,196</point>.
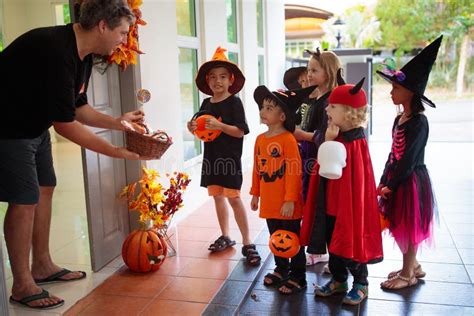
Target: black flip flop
<point>221,244</point>
<point>28,299</point>
<point>57,277</point>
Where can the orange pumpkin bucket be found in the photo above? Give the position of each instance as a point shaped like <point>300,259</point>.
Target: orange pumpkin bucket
<point>284,243</point>
<point>206,135</point>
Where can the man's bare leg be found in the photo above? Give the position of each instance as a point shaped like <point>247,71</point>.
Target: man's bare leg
<point>42,265</point>
<point>18,228</point>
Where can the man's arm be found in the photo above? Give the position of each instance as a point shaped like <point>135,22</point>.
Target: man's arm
<point>87,115</point>
<point>84,137</point>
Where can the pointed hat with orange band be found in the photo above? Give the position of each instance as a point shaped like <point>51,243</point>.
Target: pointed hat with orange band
<point>219,60</point>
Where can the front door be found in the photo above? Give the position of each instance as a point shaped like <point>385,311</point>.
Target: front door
<point>104,177</point>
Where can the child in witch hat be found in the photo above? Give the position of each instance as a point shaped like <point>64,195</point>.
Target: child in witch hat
<point>295,78</point>
<point>276,180</point>
<point>222,167</point>
<point>407,200</point>
<point>343,214</point>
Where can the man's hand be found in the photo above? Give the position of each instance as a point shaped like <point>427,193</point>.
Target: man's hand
<point>287,209</point>
<point>124,153</point>
<point>254,203</point>
<point>134,116</point>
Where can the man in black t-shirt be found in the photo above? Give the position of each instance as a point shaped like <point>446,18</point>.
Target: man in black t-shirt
<point>45,74</point>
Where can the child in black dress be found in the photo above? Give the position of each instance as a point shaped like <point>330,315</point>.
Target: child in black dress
<point>407,200</point>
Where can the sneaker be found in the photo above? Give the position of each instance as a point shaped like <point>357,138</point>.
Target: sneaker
<point>357,294</point>
<point>311,259</point>
<point>331,288</point>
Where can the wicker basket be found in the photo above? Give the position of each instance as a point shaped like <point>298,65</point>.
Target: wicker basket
<point>150,146</point>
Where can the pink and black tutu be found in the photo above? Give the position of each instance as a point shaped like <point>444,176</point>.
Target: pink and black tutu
<point>410,210</point>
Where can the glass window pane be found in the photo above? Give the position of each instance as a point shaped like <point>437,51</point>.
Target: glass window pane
<point>66,14</point>
<point>231,21</point>
<point>260,23</point>
<point>186,17</point>
<point>62,14</point>
<point>189,99</point>
<point>261,70</point>
<point>233,57</point>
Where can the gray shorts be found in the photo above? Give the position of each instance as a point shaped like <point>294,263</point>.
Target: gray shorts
<point>25,165</point>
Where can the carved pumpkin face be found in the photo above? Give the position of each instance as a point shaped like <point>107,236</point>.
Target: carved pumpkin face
<point>270,163</point>
<point>206,135</point>
<point>284,243</point>
<point>144,251</point>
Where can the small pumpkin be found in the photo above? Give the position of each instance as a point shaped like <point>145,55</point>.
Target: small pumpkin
<point>144,250</point>
<point>206,135</point>
<point>284,243</point>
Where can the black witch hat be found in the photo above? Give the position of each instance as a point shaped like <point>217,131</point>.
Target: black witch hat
<point>290,78</point>
<point>289,101</point>
<point>414,75</point>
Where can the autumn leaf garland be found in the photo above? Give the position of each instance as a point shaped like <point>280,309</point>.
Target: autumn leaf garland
<point>126,54</point>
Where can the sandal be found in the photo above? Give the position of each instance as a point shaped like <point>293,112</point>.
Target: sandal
<point>221,243</point>
<point>357,294</point>
<point>28,299</point>
<point>419,273</point>
<point>275,279</point>
<point>408,282</point>
<point>293,288</point>
<point>331,288</point>
<point>251,254</point>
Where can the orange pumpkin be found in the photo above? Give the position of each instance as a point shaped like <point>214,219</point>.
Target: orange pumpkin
<point>206,135</point>
<point>144,250</point>
<point>284,243</point>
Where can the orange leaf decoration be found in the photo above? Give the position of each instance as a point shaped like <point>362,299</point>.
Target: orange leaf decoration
<point>125,55</point>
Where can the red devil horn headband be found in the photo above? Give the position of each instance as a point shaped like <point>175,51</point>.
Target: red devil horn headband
<point>357,87</point>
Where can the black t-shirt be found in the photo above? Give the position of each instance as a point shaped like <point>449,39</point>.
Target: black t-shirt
<point>43,81</point>
<point>316,118</point>
<point>221,162</point>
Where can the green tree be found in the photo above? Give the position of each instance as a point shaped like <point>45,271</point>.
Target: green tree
<point>408,24</point>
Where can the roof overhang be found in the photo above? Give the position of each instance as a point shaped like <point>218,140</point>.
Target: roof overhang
<point>300,11</point>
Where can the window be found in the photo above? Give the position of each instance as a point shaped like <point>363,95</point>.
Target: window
<point>260,23</point>
<point>62,14</point>
<point>189,98</point>
<point>186,17</point>
<point>233,57</point>
<point>188,45</point>
<point>231,21</point>
<point>261,70</point>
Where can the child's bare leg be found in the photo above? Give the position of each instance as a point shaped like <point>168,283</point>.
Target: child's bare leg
<point>241,218</point>
<point>222,214</point>
<point>407,273</point>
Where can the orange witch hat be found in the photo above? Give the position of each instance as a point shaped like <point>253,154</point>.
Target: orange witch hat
<point>219,59</point>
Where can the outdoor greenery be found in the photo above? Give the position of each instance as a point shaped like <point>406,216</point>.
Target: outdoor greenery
<point>404,27</point>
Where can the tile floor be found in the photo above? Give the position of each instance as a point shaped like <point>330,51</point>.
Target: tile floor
<point>195,282</point>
